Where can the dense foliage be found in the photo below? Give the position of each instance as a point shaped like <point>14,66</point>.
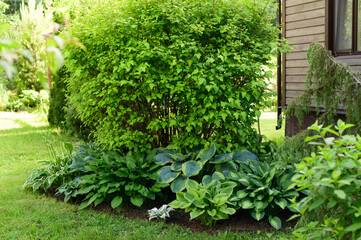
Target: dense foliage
<point>56,116</point>
<point>29,52</point>
<point>114,177</point>
<point>179,167</point>
<point>213,189</point>
<point>294,149</point>
<point>264,189</point>
<point>207,201</point>
<point>61,111</point>
<point>332,179</point>
<point>34,24</point>
<point>163,71</point>
<point>54,172</point>
<point>332,86</point>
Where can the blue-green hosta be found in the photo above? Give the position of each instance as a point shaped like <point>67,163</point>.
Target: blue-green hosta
<point>208,200</point>
<point>180,167</point>
<point>264,189</point>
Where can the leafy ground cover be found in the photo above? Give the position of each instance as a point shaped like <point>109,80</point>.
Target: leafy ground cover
<point>25,215</point>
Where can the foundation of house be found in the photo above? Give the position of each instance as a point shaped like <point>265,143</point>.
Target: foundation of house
<point>293,127</point>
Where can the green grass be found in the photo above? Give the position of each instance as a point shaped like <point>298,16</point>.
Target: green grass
<point>268,123</point>
<point>27,215</point>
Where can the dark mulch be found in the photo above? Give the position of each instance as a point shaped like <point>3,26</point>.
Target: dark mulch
<point>240,221</point>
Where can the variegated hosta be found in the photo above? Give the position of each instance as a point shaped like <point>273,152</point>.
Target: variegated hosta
<point>264,189</point>
<point>179,168</point>
<point>161,213</point>
<point>208,200</point>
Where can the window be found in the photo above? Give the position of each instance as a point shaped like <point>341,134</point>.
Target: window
<point>345,27</point>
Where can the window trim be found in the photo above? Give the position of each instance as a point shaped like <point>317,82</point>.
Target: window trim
<point>331,29</point>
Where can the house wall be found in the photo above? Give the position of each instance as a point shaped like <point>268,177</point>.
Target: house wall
<point>305,21</point>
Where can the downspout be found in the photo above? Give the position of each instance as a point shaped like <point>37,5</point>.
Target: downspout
<point>279,70</point>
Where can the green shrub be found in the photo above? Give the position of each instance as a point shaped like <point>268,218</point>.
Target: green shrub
<point>4,98</point>
<point>74,126</point>
<point>33,22</point>
<point>32,99</point>
<point>27,100</point>
<point>185,72</point>
<point>332,179</point>
<point>207,201</point>
<point>293,150</point>
<point>64,10</point>
<point>58,100</point>
<point>14,103</point>
<point>62,114</point>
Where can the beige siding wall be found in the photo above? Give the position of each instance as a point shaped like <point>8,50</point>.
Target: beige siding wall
<point>305,22</point>
<point>353,61</point>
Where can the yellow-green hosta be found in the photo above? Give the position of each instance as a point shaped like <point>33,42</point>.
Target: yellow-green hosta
<point>208,200</point>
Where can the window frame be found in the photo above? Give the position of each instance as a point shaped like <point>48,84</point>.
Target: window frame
<point>355,27</point>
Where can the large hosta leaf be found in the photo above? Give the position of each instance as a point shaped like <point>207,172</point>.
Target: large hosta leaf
<point>246,204</point>
<point>163,158</point>
<point>226,168</point>
<point>259,205</point>
<point>196,213</point>
<point>191,168</point>
<point>242,194</point>
<point>281,202</point>
<point>180,157</point>
<point>207,153</point>
<point>136,201</point>
<point>257,215</point>
<point>275,222</point>
<point>176,166</point>
<point>179,184</point>
<point>222,158</point>
<point>244,156</point>
<point>166,175</point>
<point>191,184</point>
<point>116,202</point>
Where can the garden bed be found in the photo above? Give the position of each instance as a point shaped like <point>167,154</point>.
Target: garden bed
<point>239,222</point>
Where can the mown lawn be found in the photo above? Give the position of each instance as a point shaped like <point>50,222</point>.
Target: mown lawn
<point>28,215</point>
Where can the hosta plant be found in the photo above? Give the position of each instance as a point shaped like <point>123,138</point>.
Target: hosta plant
<point>208,200</point>
<point>54,172</point>
<point>83,154</point>
<point>161,213</point>
<point>263,189</point>
<point>114,178</point>
<point>62,168</point>
<point>180,166</point>
<point>70,189</point>
<point>332,179</point>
